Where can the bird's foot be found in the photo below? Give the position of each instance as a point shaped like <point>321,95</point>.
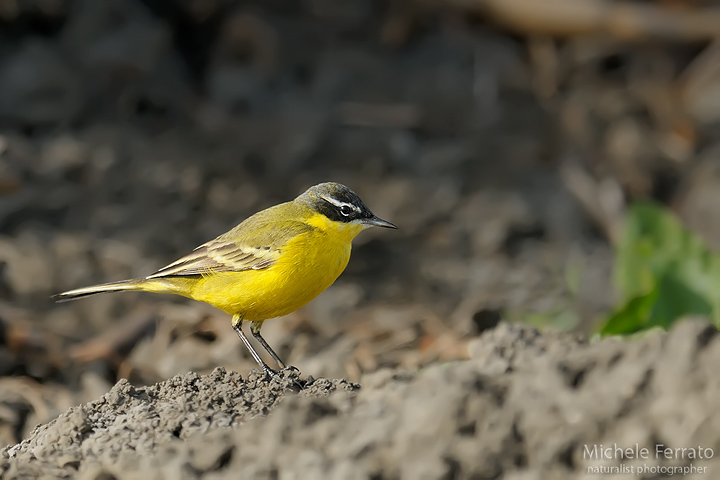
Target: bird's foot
<point>288,377</point>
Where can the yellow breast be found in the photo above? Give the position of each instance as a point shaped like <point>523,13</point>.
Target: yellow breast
<point>308,264</point>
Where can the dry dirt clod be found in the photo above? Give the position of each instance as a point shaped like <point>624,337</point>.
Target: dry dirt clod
<point>498,413</point>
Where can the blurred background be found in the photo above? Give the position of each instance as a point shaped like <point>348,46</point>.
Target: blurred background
<point>506,138</point>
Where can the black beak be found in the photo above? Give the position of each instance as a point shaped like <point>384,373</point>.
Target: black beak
<point>379,222</point>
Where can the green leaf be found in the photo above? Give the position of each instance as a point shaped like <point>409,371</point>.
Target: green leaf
<point>662,272</point>
<point>631,317</point>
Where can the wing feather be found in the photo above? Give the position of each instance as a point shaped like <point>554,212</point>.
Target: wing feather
<point>219,256</point>
<point>227,254</point>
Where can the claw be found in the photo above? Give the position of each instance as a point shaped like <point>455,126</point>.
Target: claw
<point>269,372</point>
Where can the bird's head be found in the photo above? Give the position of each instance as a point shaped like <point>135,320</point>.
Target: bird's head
<point>340,204</point>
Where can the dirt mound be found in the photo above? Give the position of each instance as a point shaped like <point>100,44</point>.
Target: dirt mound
<point>128,421</point>
<point>525,405</point>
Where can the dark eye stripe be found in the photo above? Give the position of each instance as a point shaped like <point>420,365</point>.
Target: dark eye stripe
<point>341,209</point>
<point>341,204</point>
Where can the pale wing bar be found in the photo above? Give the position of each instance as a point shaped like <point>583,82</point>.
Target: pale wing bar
<point>219,256</point>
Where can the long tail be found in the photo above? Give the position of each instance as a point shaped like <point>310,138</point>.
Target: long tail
<point>121,286</point>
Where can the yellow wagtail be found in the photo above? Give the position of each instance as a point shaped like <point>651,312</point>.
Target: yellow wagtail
<point>271,264</point>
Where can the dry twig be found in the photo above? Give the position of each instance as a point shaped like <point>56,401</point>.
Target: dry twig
<point>622,20</point>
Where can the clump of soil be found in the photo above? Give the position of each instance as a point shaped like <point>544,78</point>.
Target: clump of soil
<point>525,403</point>
<point>129,421</point>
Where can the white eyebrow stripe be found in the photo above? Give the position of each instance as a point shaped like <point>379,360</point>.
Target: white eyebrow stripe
<point>339,204</point>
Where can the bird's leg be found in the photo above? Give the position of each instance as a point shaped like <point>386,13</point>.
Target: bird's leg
<point>255,329</point>
<point>237,326</point>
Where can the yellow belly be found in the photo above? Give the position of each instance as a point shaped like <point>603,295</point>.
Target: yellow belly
<point>308,265</point>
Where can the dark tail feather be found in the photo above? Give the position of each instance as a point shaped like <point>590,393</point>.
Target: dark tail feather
<point>121,286</point>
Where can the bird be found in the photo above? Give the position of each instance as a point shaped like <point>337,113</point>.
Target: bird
<point>270,265</point>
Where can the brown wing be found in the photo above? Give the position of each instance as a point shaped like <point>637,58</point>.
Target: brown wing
<point>253,245</point>
<point>220,256</point>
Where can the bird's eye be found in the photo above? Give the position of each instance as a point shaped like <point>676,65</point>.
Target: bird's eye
<point>346,211</point>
